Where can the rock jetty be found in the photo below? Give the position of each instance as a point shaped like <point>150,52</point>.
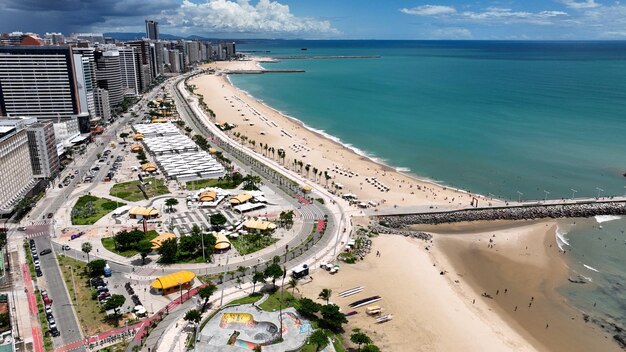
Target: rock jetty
<point>378,228</point>
<point>583,210</point>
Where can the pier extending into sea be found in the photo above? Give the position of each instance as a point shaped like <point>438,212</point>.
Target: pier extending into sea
<point>572,208</point>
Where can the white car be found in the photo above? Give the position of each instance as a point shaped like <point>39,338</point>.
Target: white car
<point>48,309</point>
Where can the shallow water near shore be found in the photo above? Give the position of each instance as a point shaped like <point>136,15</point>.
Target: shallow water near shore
<point>490,117</point>
<point>596,252</point>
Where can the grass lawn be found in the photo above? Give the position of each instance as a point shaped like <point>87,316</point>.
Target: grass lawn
<point>272,303</point>
<point>89,209</point>
<point>213,182</point>
<point>130,191</point>
<point>109,244</point>
<point>248,299</point>
<point>245,245</point>
<point>90,317</point>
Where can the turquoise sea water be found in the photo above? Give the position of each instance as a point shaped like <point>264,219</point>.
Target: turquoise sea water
<point>489,117</point>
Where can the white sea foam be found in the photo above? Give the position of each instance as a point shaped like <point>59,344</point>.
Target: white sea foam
<point>561,240</point>
<point>591,268</point>
<point>604,218</point>
<point>356,150</point>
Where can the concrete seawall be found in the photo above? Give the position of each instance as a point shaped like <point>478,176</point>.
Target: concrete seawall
<point>505,213</point>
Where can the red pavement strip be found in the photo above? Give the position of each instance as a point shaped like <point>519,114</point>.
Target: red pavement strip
<point>32,304</point>
<point>302,200</point>
<point>320,225</point>
<point>139,328</point>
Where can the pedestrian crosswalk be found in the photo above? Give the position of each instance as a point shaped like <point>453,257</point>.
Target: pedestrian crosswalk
<point>36,234</point>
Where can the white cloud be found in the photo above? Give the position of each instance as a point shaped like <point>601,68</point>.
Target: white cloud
<point>429,10</point>
<point>585,4</point>
<point>452,33</point>
<point>227,16</point>
<point>501,15</point>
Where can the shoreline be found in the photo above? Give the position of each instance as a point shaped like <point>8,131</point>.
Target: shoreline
<point>428,192</point>
<point>405,171</point>
<point>525,260</point>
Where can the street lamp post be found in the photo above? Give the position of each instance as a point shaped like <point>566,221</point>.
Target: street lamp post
<point>599,191</point>
<point>573,192</point>
<point>519,196</point>
<point>545,198</point>
<point>225,269</point>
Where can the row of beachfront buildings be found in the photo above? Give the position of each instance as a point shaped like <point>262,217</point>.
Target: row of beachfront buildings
<point>57,91</point>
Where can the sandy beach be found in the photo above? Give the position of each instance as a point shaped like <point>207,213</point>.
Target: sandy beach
<point>519,266</point>
<point>429,315</point>
<point>354,172</point>
<point>519,269</point>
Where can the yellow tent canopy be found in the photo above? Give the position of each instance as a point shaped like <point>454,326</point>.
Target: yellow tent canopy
<point>259,225</point>
<point>136,148</point>
<point>157,241</point>
<point>138,136</point>
<point>173,280</point>
<point>240,198</point>
<point>212,150</point>
<point>145,212</point>
<point>159,120</point>
<point>149,167</point>
<point>307,188</point>
<point>207,196</point>
<point>221,242</point>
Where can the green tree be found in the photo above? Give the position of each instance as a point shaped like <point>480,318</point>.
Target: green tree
<point>359,338</point>
<point>332,318</point>
<point>307,307</point>
<point>293,285</point>
<point>218,219</point>
<point>193,316</point>
<point>144,248</point>
<point>86,247</point>
<point>189,245</point>
<point>206,292</point>
<point>319,338</point>
<point>257,348</point>
<point>168,251</point>
<point>96,268</point>
<point>325,294</point>
<point>273,271</point>
<point>128,239</point>
<point>251,182</point>
<point>256,278</point>
<point>115,301</point>
<point>170,203</point>
<point>124,135</point>
<point>370,348</point>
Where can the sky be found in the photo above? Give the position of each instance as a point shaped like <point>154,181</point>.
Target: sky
<point>327,19</point>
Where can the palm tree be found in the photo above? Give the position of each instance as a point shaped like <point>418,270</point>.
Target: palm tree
<point>314,174</point>
<point>256,278</point>
<point>325,294</point>
<point>327,176</point>
<point>86,247</point>
<point>292,284</point>
<point>307,168</point>
<point>319,339</point>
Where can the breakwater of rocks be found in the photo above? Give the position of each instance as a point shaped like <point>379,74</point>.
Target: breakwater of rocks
<point>378,228</point>
<point>583,210</point>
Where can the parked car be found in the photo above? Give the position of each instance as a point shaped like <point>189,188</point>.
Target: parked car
<point>38,272</point>
<point>48,309</point>
<point>46,251</point>
<point>55,332</point>
<point>22,228</point>
<point>50,215</point>
<point>65,247</point>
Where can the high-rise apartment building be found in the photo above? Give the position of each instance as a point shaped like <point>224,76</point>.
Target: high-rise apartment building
<point>43,151</point>
<point>143,63</point>
<point>102,104</point>
<point>85,67</point>
<point>15,167</point>
<point>152,30</point>
<point>37,81</point>
<point>128,71</point>
<point>108,75</point>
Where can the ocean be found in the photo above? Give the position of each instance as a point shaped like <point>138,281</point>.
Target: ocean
<point>490,117</point>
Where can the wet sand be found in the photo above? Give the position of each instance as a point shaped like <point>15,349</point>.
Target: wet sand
<point>526,262</point>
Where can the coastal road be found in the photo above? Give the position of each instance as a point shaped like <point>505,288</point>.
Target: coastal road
<point>62,307</point>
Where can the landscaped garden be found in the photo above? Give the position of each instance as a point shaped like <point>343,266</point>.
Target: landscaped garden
<point>226,182</point>
<point>129,243</point>
<point>89,312</point>
<point>250,243</point>
<point>131,192</point>
<point>89,209</point>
